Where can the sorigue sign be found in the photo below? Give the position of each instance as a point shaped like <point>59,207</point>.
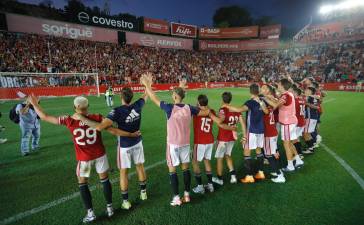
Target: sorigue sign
<point>120,23</point>
<point>27,24</point>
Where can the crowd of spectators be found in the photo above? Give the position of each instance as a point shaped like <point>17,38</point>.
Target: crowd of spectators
<point>120,64</point>
<point>339,30</point>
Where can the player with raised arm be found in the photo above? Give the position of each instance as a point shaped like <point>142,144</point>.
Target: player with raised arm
<point>271,136</point>
<point>288,120</point>
<point>203,144</point>
<point>89,150</point>
<point>255,109</point>
<point>128,118</point>
<point>226,140</point>
<point>179,117</point>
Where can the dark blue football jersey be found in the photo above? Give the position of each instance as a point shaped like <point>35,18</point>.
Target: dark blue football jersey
<point>254,117</point>
<point>128,118</point>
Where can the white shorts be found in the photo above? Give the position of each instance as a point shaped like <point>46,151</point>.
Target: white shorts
<point>202,151</point>
<point>299,131</point>
<point>125,155</point>
<point>254,141</point>
<point>224,148</point>
<point>177,154</point>
<point>310,126</point>
<point>270,145</point>
<point>84,167</point>
<point>288,132</point>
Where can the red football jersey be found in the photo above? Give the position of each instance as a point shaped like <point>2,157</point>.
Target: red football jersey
<point>87,141</point>
<point>231,119</point>
<point>300,111</point>
<point>202,126</point>
<point>270,129</point>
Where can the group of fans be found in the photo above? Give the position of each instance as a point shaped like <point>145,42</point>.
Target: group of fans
<point>120,64</point>
<point>284,107</point>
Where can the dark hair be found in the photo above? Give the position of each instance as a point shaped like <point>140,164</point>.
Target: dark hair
<point>226,97</point>
<point>286,84</point>
<point>312,89</point>
<point>203,100</point>
<point>315,84</point>
<point>127,94</point>
<point>254,89</point>
<point>180,92</point>
<point>297,90</point>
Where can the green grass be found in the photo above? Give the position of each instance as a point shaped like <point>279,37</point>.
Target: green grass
<point>320,193</point>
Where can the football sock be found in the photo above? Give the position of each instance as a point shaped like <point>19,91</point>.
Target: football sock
<point>260,162</point>
<point>247,165</point>
<point>125,195</point>
<point>174,183</point>
<point>219,177</point>
<point>298,147</point>
<point>232,172</point>
<point>187,179</point>
<point>198,178</point>
<point>273,164</point>
<point>314,136</point>
<point>290,163</point>
<point>143,185</point>
<point>309,143</point>
<point>107,190</point>
<point>209,177</point>
<point>85,195</point>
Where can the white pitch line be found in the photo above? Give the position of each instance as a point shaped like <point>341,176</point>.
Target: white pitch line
<point>346,166</point>
<point>59,201</point>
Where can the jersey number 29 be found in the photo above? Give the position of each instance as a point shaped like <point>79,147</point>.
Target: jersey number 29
<point>81,133</point>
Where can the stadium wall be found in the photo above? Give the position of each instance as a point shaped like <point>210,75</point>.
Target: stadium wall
<point>13,92</point>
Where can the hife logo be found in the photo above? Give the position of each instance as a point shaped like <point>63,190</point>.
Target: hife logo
<point>83,17</point>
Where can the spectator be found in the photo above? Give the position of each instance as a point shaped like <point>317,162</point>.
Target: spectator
<point>29,126</point>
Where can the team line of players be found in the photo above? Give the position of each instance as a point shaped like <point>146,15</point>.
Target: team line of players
<point>288,109</point>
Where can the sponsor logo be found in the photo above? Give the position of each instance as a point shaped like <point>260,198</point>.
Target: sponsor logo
<point>210,30</point>
<point>183,30</point>
<point>83,17</point>
<point>147,41</point>
<point>66,30</point>
<point>133,116</point>
<point>163,42</point>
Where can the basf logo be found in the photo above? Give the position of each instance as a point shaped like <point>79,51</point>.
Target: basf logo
<point>120,23</point>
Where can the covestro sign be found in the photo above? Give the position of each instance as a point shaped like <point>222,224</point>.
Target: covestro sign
<point>27,24</point>
<point>121,23</point>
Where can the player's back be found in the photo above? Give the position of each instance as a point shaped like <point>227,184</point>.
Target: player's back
<point>270,129</point>
<point>300,111</point>
<point>202,126</point>
<point>231,119</point>
<point>128,118</point>
<point>87,141</point>
<point>312,113</point>
<point>254,117</point>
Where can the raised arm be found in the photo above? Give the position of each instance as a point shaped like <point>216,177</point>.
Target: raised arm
<point>146,80</point>
<point>25,109</point>
<point>38,109</point>
<point>273,102</point>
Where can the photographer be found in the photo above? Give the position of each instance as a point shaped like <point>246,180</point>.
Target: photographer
<point>29,126</point>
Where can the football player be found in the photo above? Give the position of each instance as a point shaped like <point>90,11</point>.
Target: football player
<point>89,150</point>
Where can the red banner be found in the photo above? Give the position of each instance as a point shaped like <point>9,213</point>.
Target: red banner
<point>232,32</point>
<point>156,26</point>
<point>183,30</point>
<point>236,46</point>
<point>272,31</point>
<point>11,93</point>
<point>158,41</point>
<point>27,24</point>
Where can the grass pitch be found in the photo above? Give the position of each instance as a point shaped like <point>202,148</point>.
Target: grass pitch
<point>322,192</point>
